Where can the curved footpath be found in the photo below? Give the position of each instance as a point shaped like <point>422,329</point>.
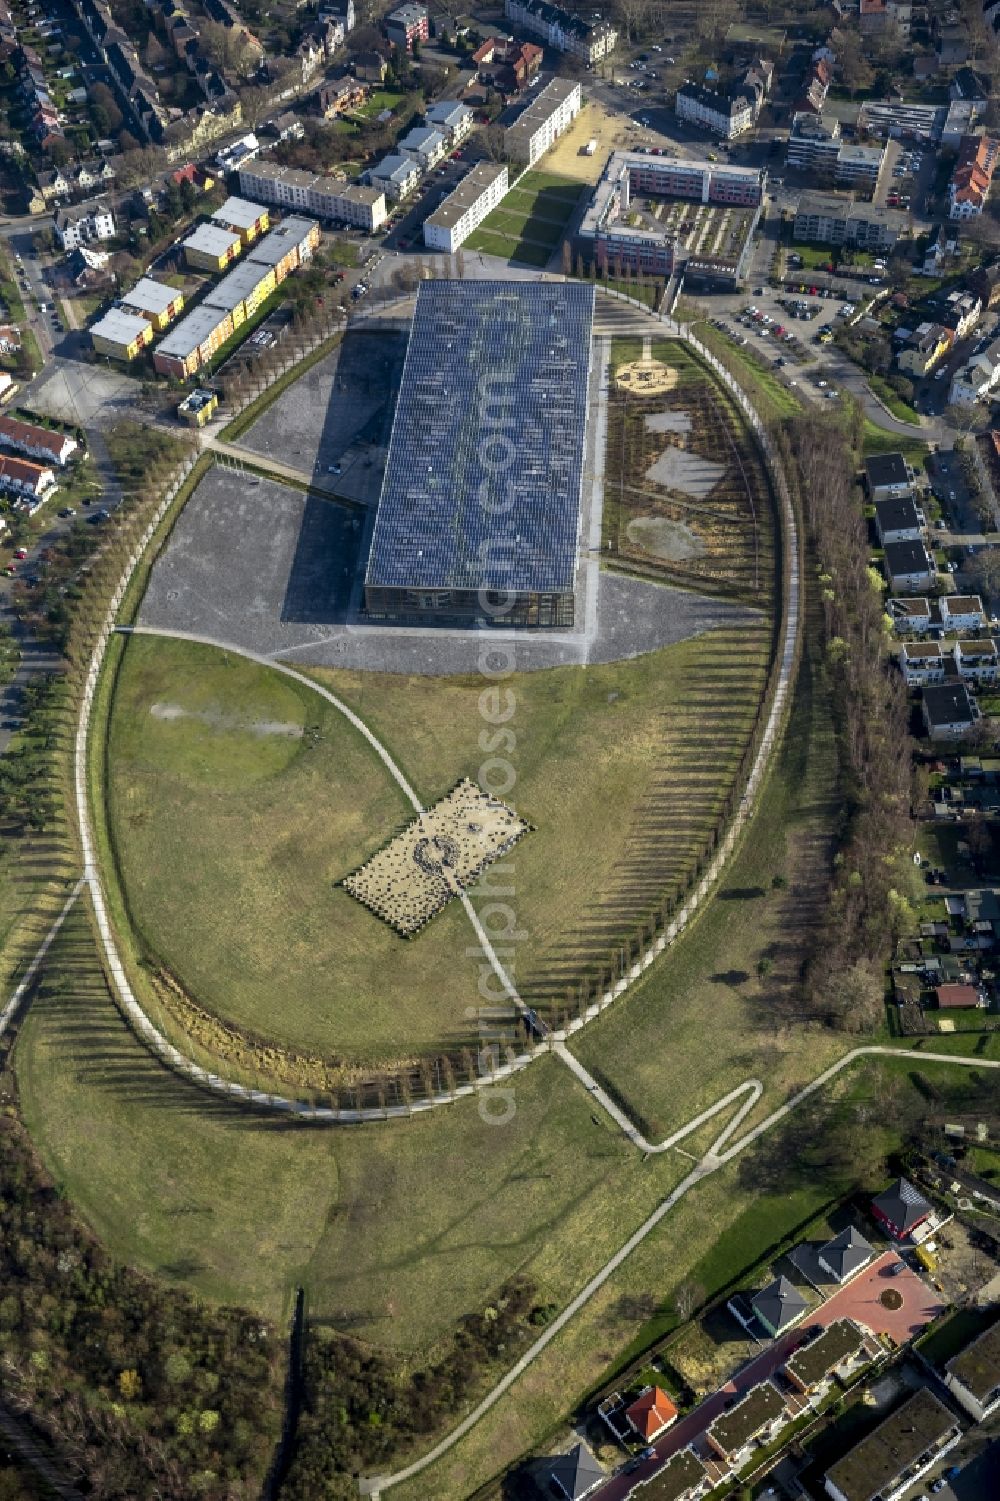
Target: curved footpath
<point>265,1100</point>
<point>712,1161</point>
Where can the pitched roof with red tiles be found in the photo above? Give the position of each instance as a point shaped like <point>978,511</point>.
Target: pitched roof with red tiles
<point>651,1413</point>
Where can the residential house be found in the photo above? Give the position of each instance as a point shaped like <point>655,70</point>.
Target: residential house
<point>407,24</point>
<point>878,16</point>
<point>888,1462</point>
<point>949,713</point>
<point>553,110</point>
<point>83,224</point>
<point>970,181</point>
<point>340,95</point>
<point>53,184</point>
<point>980,912</point>
<point>899,520</point>
<point>962,612</point>
<point>156,302</point>
<point>287,247</point>
<point>908,565</point>
<point>972,86</point>
<point>682,1478</point>
<point>242,290</point>
<point>558,28</point>
<point>846,1255</point>
<point>755,1419</point>
<point>192,342</point>
<point>888,475</point>
<point>507,64</point>
<point>952,44</point>
<point>651,1413</point>
<point>922,350</point>
<point>727,115</point>
<point>779,1305</point>
<point>815,86</point>
<point>973,1376</point>
<point>985,282</point>
<point>26,480</point>
<point>824,218</point>
<point>908,615</point>
<point>463,210</point>
<point>121,335</point>
<point>959,311</point>
<point>396,175</point>
<point>977,661</point>
<point>900,1209</point>
<point>424,146</point>
<point>10,339</point>
<point>834,1352</point>
<point>977,377</point>
<point>37,442</point>
<point>452,118</point>
<point>243,218</point>
<point>922,662</point>
<point>211,248</point>
<point>370,67</point>
<point>576,1474</point>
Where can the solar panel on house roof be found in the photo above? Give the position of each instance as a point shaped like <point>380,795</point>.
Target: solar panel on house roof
<point>482,485</point>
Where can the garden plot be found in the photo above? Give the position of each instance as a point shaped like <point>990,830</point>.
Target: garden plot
<point>686,494</point>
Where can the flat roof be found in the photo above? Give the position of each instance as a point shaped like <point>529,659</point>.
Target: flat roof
<point>761,1406</point>
<point>543,106</point>
<point>151,295</point>
<point>887,469</point>
<point>186,336</point>
<point>948,703</point>
<point>962,604</point>
<point>921,649</point>
<point>872,1465</point>
<point>239,211</point>
<point>469,191</point>
<point>838,1342</point>
<point>123,327</point>
<point>483,480</point>
<point>212,239</point>
<point>236,285</point>
<point>354,192</point>
<point>276,244</point>
<point>681,1471</point>
<point>978,1365</point>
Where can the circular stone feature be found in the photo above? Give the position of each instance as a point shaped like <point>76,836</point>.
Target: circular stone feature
<point>436,853</point>
<point>890,1298</point>
<point>646,377</point>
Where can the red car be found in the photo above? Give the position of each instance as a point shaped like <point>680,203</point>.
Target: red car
<point>21,552</point>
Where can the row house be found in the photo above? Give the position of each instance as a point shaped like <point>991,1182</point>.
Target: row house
<point>911,616</point>
<point>833,1355</point>
<point>756,1419</point>
<point>878,16</point>
<point>288,246</point>
<point>37,442</point>
<point>970,182</point>
<point>192,342</point>
<point>959,311</point>
<point>121,334</point>
<point>973,1376</point>
<point>894,1456</point>
<point>26,480</point>
<point>241,292</point>
<point>558,28</point>
<point>815,86</point>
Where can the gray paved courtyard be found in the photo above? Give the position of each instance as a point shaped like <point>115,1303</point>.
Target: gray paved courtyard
<point>339,412</point>
<point>266,568</point>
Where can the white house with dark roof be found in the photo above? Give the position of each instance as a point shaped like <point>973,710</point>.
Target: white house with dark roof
<point>962,612</point>
<point>899,520</point>
<point>846,1255</point>
<point>949,712</point>
<point>908,565</point>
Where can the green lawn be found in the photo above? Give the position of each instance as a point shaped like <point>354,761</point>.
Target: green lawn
<point>897,406</point>
<point>379,100</point>
<point>770,394</point>
<point>703,1019</point>
<point>533,216</point>
<point>878,440</point>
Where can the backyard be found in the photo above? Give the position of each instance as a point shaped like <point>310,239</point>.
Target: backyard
<point>531,220</point>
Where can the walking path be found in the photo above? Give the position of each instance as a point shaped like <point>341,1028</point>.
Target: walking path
<point>13,1006</point>
<point>713,1160</point>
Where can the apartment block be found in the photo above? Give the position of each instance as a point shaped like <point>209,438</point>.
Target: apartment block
<point>211,248</point>
<point>826,219</point>
<point>157,303</point>
<point>557,28</point>
<point>246,219</point>
<point>242,290</point>
<point>192,342</point>
<point>464,210</point>
<point>550,113</point>
<point>121,335</point>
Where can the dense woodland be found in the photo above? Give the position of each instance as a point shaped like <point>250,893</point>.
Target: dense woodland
<point>142,1391</point>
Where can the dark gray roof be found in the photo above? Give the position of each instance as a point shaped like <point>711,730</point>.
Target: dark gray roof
<point>897,515</point>
<point>907,557</point>
<point>780,1304</point>
<point>886,469</point>
<point>901,1203</point>
<point>848,1252</point>
<point>874,1465</point>
<point>577,1472</point>
<point>947,703</point>
<point>483,480</point>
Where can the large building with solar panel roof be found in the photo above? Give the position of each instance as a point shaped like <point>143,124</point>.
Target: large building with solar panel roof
<point>479,516</point>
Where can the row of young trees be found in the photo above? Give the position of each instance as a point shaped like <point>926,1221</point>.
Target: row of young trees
<point>868,905</point>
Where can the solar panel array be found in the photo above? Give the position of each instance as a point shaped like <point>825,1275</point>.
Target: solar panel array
<point>483,479</point>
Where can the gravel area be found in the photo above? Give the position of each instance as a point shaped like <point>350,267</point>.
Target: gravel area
<point>266,568</point>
